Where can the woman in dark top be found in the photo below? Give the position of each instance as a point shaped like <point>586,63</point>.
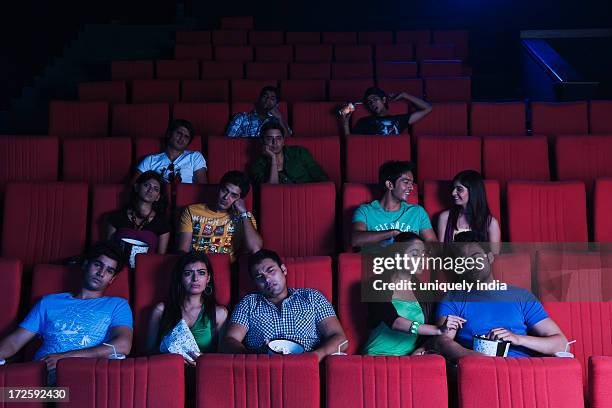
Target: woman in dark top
<point>144,219</point>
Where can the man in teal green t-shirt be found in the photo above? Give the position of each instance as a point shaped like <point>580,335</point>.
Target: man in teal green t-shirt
<point>382,220</point>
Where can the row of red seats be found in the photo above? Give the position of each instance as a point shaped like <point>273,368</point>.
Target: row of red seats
<point>91,119</point>
<point>437,89</point>
<point>239,381</point>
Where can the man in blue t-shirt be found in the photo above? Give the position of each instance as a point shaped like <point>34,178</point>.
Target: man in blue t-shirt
<point>76,324</point>
<point>513,315</point>
<point>382,220</point>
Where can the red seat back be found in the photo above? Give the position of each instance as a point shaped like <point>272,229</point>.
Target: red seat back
<point>78,119</point>
<point>435,52</point>
<point>155,90</point>
<point>348,89</point>
<point>103,91</point>
<point>353,53</point>
<point>193,52</point>
<point>193,37</point>
<point>263,70</point>
<point>366,153</point>
<point>557,118</point>
<point>442,157</point>
<point>583,157</point>
<point>230,153</point>
<point>247,90</point>
<point>339,37</point>
<point>99,160</point>
<point>294,90</point>
<point>274,53</point>
<point>600,377</point>
<point>315,118</point>
<point>498,119</point>
<point>232,35</point>
<point>602,219</point>
<point>446,119</point>
<point>266,37</point>
<point>105,198</point>
<point>310,70</point>
<point>352,70</point>
<point>600,117</point>
<point>24,375</point>
<point>441,68</point>
<point>129,70</point>
<point>178,69</point>
<point>313,53</point>
<point>397,52</point>
<point>397,70</point>
<point>142,120</point>
<point>448,89</point>
<point>212,90</point>
<point>241,53</point>
<point>10,292</point>
<point>207,118</point>
<point>222,70</point>
<point>28,158</point>
<point>513,269</point>
<point>352,312</point>
<point>413,86</point>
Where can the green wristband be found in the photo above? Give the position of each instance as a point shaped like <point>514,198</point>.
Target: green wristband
<point>414,328</point>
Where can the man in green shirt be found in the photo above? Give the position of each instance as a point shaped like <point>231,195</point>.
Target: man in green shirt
<point>280,164</point>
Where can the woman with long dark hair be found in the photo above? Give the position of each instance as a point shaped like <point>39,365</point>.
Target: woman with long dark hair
<point>191,298</point>
<point>470,211</point>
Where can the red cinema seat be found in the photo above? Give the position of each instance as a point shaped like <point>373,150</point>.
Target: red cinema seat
<point>398,381</point>
<point>201,52</point>
<point>519,382</point>
<point>104,91</point>
<point>435,52</point>
<point>213,90</point>
<point>263,70</point>
<point>416,37</point>
<point>274,53</point>
<point>413,86</point>
<point>152,284</point>
<point>326,152</point>
<point>348,89</point>
<point>353,53</point>
<point>498,118</point>
<point>242,381</point>
<point>365,154</point>
<point>557,118</point>
<point>442,157</point>
<point>238,23</point>
<point>78,119</point>
<point>241,53</point>
<point>229,37</point>
<point>303,37</point>
<point>459,38</point>
<point>140,120</point>
<point>352,70</point>
<point>207,118</point>
<point>294,90</point>
<point>23,375</point>
<point>155,90</point>
<point>131,383</point>
<point>602,219</point>
<point>600,117</point>
<point>128,70</point>
<point>315,119</point>
<point>266,37</point>
<point>230,153</point>
<point>193,37</point>
<point>375,37</point>
<point>10,291</point>
<point>97,161</point>
<point>446,119</point>
<point>238,107</point>
<point>105,198</point>
<point>546,211</point>
<point>313,53</point>
<point>513,269</point>
<point>396,70</point>
<point>583,157</point>
<point>288,213</point>
<point>310,70</point>
<point>394,53</point>
<point>181,69</point>
<point>340,37</point>
<point>441,68</point>
<point>146,146</point>
<point>449,89</point>
<point>222,70</point>
<point>515,158</point>
<point>44,222</point>
<point>600,378</point>
<point>313,272</point>
<point>352,312</point>
<point>247,90</point>
<point>28,158</point>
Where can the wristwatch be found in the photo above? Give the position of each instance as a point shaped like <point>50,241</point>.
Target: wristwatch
<point>246,214</point>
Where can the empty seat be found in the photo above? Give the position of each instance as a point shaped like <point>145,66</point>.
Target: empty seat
<point>104,91</point>
<point>142,120</point>
<point>182,69</point>
<point>44,222</point>
<point>441,157</point>
<point>303,90</point>
<point>413,86</point>
<point>24,375</point>
<point>238,23</point>
<point>513,269</point>
<point>583,158</point>
<point>155,90</point>
<point>441,68</point>
<point>435,52</point>
<point>310,70</point>
<point>446,119</point>
<point>315,119</point>
<point>353,53</point>
<point>128,70</point>
<point>130,383</point>
<point>600,117</point>
<point>265,70</point>
<point>105,198</point>
<point>287,215</point>
<point>222,70</point>
<point>201,52</point>
<point>340,37</point>
<point>303,37</point>
<point>230,153</point>
<point>397,52</point>
<point>247,90</point>
<point>396,70</point>
<point>206,118</point>
<point>193,37</point>
<point>602,218</point>
<point>274,53</point>
<point>459,38</point>
<point>213,90</point>
<point>242,53</point>
<point>398,381</point>
<point>266,37</point>
<point>365,154</point>
<point>313,53</point>
<point>498,119</point>
<point>415,37</point>
<point>546,212</point>
<point>352,70</point>
<point>556,118</point>
<point>28,158</point>
<point>97,161</point>
<point>525,382</point>
<point>351,310</point>
<point>78,119</point>
<point>326,152</point>
<point>449,89</point>
<point>229,37</point>
<point>348,89</point>
<point>375,37</point>
<point>259,380</point>
<point>515,158</point>
<point>600,377</point>
<point>10,291</point>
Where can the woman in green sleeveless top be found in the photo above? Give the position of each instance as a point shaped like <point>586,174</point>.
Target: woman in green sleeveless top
<point>400,326</point>
<point>191,298</point>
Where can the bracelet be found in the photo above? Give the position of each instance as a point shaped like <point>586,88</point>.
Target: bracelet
<point>414,328</point>
<point>246,214</point>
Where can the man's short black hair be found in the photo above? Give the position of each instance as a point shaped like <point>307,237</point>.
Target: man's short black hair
<point>256,258</point>
<point>392,170</point>
<point>270,88</point>
<point>109,249</point>
<point>237,178</point>
<point>271,124</point>
<point>373,90</point>
<point>177,123</point>
<point>468,237</point>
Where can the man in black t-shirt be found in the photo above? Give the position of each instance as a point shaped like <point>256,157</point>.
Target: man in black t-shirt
<point>380,122</point>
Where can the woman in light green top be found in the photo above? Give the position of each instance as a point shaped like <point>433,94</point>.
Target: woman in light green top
<point>399,326</point>
<point>191,298</point>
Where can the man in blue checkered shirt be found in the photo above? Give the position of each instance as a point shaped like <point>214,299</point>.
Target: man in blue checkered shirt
<point>248,124</point>
<point>303,316</point>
